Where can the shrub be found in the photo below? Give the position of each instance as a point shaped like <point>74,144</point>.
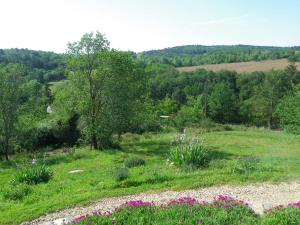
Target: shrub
<point>34,174</point>
<point>247,164</point>
<point>193,154</point>
<point>121,174</point>
<point>134,162</point>
<point>17,192</point>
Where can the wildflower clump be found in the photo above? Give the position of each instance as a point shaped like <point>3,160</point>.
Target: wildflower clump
<point>189,153</point>
<point>186,210</point>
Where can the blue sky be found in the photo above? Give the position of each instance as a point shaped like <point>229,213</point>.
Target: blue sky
<point>149,24</point>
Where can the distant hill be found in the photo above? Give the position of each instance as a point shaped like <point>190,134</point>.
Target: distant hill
<point>194,55</point>
<point>41,66</point>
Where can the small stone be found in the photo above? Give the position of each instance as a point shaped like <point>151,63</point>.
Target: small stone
<point>75,171</point>
<point>49,223</point>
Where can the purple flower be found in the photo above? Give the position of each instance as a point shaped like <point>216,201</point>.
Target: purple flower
<point>138,203</point>
<point>183,200</point>
<point>295,204</point>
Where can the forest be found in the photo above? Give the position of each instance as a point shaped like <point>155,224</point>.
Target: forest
<point>103,92</point>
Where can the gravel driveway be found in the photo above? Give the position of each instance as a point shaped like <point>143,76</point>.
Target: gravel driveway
<point>259,197</point>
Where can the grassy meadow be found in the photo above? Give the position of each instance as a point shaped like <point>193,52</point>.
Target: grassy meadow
<point>277,152</point>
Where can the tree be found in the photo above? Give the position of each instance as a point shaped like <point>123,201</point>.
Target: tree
<point>288,111</point>
<point>125,88</point>
<point>222,103</point>
<point>10,101</point>
<point>192,113</point>
<point>275,86</point>
<point>108,86</point>
<point>86,76</point>
<point>289,114</point>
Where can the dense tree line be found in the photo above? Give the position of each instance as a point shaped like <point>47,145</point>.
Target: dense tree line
<point>194,55</point>
<point>41,66</point>
<point>226,97</point>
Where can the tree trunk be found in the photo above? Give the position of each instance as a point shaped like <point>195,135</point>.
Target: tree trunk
<point>6,148</point>
<point>6,152</point>
<point>6,156</point>
<point>94,140</point>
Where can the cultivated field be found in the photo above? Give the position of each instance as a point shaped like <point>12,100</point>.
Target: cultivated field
<point>242,67</point>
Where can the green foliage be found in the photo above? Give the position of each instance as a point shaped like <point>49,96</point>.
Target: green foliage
<point>223,103</point>
<point>134,162</point>
<point>10,104</point>
<point>41,66</point>
<point>16,192</point>
<point>286,216</point>
<point>34,174</point>
<point>189,154</point>
<point>192,113</point>
<point>289,114</point>
<point>106,97</point>
<point>275,86</point>
<point>121,174</point>
<point>247,164</point>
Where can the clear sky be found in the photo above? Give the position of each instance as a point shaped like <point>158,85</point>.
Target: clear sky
<point>139,25</point>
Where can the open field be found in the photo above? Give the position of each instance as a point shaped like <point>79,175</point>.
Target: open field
<point>277,151</point>
<point>242,67</point>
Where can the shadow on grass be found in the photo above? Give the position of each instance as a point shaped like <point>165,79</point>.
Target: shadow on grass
<point>8,164</point>
<point>218,154</point>
<point>148,148</point>
<point>66,158</point>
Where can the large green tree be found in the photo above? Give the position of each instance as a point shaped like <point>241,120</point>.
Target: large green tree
<point>275,86</point>
<point>10,102</point>
<point>288,111</point>
<point>86,76</point>
<point>108,86</point>
<point>223,103</point>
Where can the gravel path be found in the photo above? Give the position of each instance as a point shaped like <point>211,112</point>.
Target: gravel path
<point>260,197</point>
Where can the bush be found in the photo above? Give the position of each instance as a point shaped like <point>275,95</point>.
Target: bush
<point>17,192</point>
<point>187,155</point>
<point>134,162</point>
<point>121,174</point>
<point>34,174</point>
<point>247,164</point>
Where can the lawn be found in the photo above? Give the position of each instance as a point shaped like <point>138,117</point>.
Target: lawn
<point>279,156</point>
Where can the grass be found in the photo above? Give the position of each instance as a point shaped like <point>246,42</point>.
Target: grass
<point>242,67</point>
<point>277,152</point>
